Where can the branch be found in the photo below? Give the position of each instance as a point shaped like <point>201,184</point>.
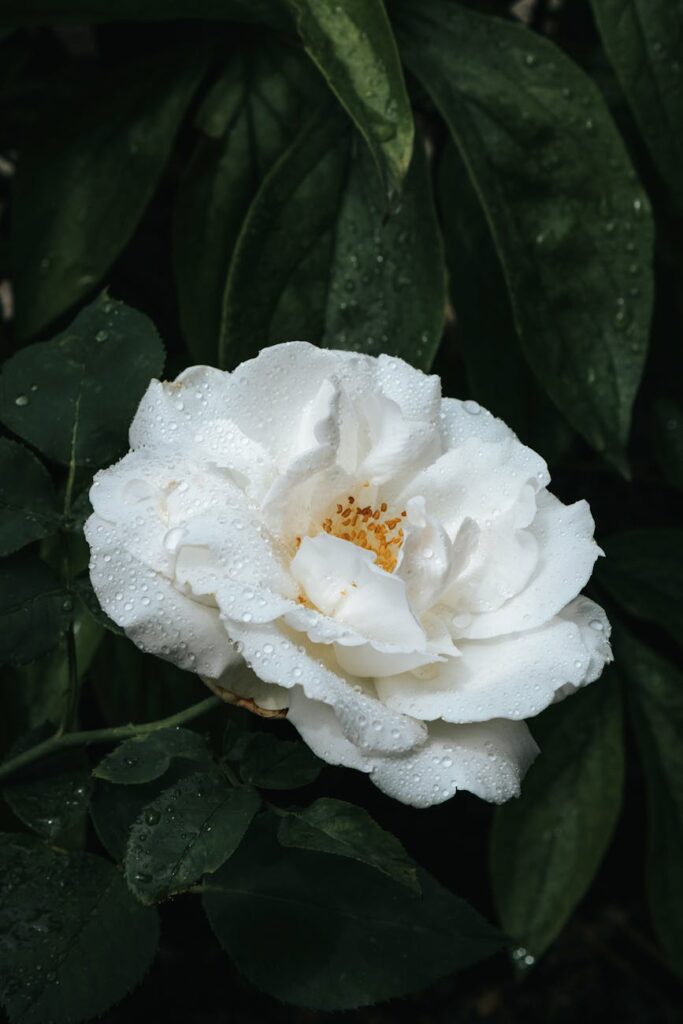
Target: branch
<point>65,741</point>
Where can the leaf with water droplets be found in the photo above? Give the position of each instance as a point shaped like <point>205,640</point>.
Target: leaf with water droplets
<point>72,213</point>
<point>643,572</point>
<point>346,936</point>
<point>667,431</point>
<point>655,700</point>
<point>51,796</point>
<point>188,831</point>
<point>144,758</point>
<point>248,118</point>
<point>354,47</point>
<point>547,845</point>
<point>82,387</point>
<point>316,258</point>
<point>570,221</point>
<point>35,609</point>
<point>335,826</point>
<point>73,941</point>
<point>28,504</point>
<point>267,761</point>
<point>643,40</point>
<point>497,372</point>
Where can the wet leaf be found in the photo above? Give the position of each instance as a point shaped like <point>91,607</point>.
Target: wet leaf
<point>548,844</point>
<point>73,397</point>
<point>71,213</point>
<point>147,757</point>
<point>316,259</point>
<point>353,45</point>
<point>35,609</point>
<point>189,830</point>
<point>570,221</point>
<point>335,826</point>
<point>345,935</point>
<point>28,504</point>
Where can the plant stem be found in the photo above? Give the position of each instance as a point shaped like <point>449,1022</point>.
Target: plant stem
<point>64,741</point>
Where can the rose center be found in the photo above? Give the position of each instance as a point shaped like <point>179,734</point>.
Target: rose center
<point>371,528</point>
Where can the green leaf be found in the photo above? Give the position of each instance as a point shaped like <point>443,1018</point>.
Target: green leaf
<point>28,505</point>
<point>73,397</point>
<point>114,808</point>
<point>189,830</point>
<point>272,763</point>
<point>571,224</point>
<point>486,333</point>
<point>246,121</point>
<point>655,696</point>
<point>72,213</point>
<point>643,571</point>
<point>144,758</point>
<point>342,935</point>
<point>548,845</point>
<point>316,260</point>
<point>35,610</point>
<point>643,41</point>
<point>334,826</point>
<point>354,47</point>
<point>74,941</point>
<point>82,12</point>
<point>52,796</point>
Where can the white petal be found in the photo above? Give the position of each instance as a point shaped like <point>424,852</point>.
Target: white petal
<point>230,546</point>
<point>156,616</point>
<point>276,657</point>
<point>479,480</point>
<point>429,559</point>
<point>172,412</point>
<point>320,729</point>
<point>344,582</point>
<point>566,555</point>
<point>488,759</point>
<point>509,677</point>
<point>418,394</point>
<point>500,565</point>
<point>595,633</point>
<point>317,440</point>
<point>463,420</point>
<point>397,445</point>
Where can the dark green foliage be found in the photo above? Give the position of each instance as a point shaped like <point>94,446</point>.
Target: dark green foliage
<point>344,935</point>
<point>265,760</point>
<point>570,221</point>
<point>145,758</point>
<point>317,259</point>
<point>547,846</point>
<point>426,178</point>
<point>655,692</point>
<point>72,216</point>
<point>189,830</point>
<point>74,939</point>
<point>643,570</point>
<point>74,397</point>
<point>28,506</point>
<point>333,826</point>
<point>353,43</point>
<point>35,609</point>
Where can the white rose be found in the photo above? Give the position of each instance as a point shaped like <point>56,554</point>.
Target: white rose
<point>388,562</point>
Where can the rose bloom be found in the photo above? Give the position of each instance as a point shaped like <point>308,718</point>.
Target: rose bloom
<point>322,532</point>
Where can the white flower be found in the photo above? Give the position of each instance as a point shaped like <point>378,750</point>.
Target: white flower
<point>388,562</point>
